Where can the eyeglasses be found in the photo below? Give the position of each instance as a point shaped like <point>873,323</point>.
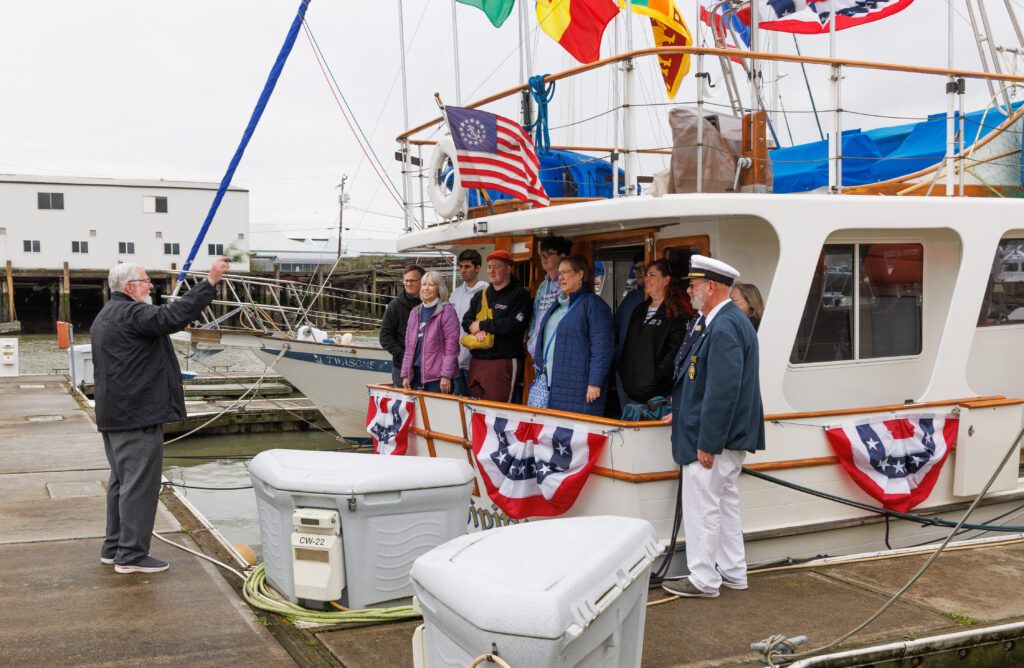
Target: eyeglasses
<point>141,280</point>
<point>410,281</point>
<point>696,283</point>
<point>568,272</point>
<point>548,253</point>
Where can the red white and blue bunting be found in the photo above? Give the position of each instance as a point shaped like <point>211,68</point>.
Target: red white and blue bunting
<point>389,418</point>
<point>533,468</point>
<point>896,461</point>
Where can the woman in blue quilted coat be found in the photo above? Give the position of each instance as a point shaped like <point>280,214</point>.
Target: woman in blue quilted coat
<point>576,342</point>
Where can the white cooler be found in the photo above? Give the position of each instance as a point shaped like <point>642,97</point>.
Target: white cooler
<point>376,515</point>
<point>563,592</point>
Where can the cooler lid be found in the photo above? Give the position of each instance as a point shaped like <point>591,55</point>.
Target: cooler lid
<point>348,473</point>
<point>542,579</point>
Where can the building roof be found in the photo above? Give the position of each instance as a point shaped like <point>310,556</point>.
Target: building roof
<point>122,183</point>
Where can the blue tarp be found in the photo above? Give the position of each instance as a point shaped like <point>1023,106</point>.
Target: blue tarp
<point>876,155</point>
<point>805,167</point>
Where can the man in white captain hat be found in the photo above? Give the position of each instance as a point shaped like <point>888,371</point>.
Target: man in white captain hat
<point>717,418</point>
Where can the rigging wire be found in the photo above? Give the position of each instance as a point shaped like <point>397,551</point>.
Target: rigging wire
<point>353,124</point>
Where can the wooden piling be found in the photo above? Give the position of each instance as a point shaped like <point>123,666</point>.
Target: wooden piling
<point>12,313</point>
<point>64,296</point>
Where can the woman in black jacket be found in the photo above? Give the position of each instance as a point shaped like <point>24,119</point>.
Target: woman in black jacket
<point>656,330</point>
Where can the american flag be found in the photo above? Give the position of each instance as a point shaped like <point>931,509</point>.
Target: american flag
<point>495,152</point>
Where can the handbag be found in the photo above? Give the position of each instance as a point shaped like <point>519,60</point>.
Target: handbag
<point>469,341</point>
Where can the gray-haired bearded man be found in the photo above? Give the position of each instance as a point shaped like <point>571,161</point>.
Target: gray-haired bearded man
<point>138,389</point>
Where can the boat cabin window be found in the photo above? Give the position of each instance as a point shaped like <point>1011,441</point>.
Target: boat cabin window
<point>1003,303</point>
<point>864,303</point>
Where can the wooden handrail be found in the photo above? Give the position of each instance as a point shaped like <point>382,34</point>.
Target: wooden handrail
<point>782,417</point>
<point>969,402</point>
<point>727,53</point>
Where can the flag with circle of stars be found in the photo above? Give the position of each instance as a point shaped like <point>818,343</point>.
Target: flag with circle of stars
<point>896,461</point>
<point>388,420</point>
<point>533,469</point>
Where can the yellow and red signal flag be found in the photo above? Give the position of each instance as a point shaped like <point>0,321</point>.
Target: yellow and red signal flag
<point>669,29</point>
<point>577,24</point>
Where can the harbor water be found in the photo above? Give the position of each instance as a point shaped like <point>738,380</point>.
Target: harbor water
<point>220,464</point>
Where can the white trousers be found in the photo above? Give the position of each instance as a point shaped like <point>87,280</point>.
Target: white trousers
<point>711,521</point>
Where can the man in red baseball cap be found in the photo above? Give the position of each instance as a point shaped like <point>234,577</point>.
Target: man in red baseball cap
<point>494,368</point>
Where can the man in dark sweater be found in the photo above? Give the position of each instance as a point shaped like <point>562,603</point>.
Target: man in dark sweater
<point>138,389</point>
<point>493,371</point>
<point>396,317</point>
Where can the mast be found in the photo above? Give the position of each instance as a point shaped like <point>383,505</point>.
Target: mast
<point>617,115</point>
<point>455,53</point>
<point>835,139</point>
<point>950,99</point>
<point>524,61</point>
<point>629,129</point>
<point>755,44</point>
<point>406,183</point>
<point>700,99</point>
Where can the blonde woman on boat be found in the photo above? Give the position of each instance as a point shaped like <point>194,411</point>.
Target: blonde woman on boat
<point>748,298</point>
<point>431,360</point>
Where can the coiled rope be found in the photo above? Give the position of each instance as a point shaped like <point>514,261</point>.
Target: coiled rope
<point>542,94</point>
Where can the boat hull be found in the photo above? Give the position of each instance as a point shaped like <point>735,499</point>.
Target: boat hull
<point>333,377</point>
<point>635,476</point>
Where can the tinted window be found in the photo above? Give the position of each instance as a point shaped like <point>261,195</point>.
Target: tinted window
<point>888,314</point>
<point>1003,303</point>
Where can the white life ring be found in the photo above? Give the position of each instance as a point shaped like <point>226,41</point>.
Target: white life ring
<point>447,203</point>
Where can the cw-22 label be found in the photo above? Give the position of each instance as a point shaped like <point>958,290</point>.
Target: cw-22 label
<point>316,541</point>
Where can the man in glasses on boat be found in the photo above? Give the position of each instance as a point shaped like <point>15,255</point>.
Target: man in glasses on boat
<point>396,318</point>
<point>717,418</point>
<point>138,389</point>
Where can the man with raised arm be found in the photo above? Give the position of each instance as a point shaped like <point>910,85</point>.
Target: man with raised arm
<point>717,418</point>
<point>138,389</point>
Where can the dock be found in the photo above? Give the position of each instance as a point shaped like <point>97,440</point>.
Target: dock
<point>277,407</point>
<point>64,607</point>
<point>67,609</point>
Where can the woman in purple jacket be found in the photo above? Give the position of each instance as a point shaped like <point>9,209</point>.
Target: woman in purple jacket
<point>431,339</point>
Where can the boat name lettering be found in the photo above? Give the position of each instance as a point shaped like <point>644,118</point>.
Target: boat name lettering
<point>487,518</point>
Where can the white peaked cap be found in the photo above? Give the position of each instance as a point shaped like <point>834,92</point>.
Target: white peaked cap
<point>713,270</point>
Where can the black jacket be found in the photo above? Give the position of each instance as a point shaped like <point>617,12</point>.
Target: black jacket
<point>392,327</point>
<point>512,309</point>
<point>649,353</point>
<point>138,380</point>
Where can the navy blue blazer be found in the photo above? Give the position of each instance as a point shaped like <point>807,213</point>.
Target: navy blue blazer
<point>720,407</point>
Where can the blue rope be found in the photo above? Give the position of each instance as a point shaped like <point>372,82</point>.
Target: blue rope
<point>541,95</point>
<point>257,113</point>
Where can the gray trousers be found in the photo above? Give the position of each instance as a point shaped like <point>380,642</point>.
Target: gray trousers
<point>136,461</point>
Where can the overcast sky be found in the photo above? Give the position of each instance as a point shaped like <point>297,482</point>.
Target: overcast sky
<point>142,89</point>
